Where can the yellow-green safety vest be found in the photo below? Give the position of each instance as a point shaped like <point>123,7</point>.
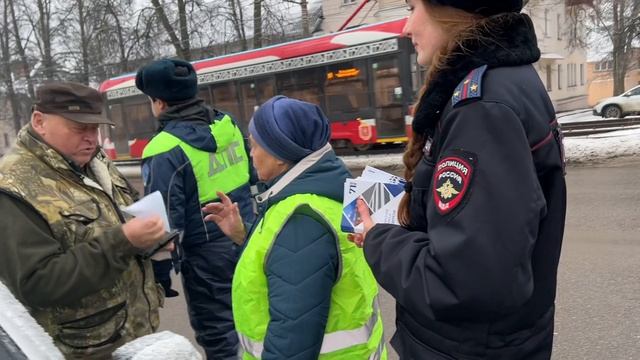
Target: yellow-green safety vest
<point>354,326</point>
<point>225,170</point>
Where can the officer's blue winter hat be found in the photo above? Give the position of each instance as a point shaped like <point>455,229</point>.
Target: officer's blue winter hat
<point>289,129</point>
<point>168,79</point>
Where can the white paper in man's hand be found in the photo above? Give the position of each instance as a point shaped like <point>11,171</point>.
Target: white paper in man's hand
<point>152,204</point>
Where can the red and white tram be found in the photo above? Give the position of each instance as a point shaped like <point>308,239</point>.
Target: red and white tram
<point>365,80</point>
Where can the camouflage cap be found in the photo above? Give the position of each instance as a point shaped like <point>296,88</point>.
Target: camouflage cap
<point>73,101</point>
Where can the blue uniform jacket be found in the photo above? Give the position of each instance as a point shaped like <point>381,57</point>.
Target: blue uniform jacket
<point>474,271</point>
<point>303,260</point>
<point>171,174</point>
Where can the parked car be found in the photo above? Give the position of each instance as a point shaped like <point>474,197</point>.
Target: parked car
<point>619,106</point>
<point>22,338</point>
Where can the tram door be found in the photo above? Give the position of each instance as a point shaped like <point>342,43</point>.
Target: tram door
<point>252,94</point>
<point>388,97</point>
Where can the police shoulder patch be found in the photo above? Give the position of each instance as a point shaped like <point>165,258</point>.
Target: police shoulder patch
<point>470,87</point>
<point>452,180</point>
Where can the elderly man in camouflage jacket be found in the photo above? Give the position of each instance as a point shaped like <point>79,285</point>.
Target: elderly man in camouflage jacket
<point>67,252</point>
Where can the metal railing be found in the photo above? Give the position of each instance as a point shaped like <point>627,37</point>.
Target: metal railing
<point>582,128</point>
<point>131,167</point>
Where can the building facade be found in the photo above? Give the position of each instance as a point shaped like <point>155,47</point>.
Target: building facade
<point>336,12</point>
<point>600,77</point>
<point>562,67</point>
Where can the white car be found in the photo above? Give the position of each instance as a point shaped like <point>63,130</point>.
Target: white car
<point>619,106</point>
<point>22,338</point>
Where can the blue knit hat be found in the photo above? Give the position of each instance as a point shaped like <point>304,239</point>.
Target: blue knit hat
<point>168,79</point>
<point>289,129</point>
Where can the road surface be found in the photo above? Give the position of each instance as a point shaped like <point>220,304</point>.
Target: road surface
<point>598,303</point>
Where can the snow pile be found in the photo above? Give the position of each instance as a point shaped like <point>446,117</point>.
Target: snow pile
<point>579,149</point>
<point>598,147</point>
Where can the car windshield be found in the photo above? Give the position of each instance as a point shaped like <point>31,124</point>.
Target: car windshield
<point>633,92</point>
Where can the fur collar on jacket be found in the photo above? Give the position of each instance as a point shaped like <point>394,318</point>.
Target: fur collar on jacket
<point>505,40</point>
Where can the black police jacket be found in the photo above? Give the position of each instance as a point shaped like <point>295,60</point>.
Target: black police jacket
<point>474,273</point>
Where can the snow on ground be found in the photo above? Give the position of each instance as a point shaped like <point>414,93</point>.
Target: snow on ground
<point>579,149</point>
<point>600,147</point>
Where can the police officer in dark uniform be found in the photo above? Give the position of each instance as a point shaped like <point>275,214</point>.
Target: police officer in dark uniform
<point>197,151</point>
<point>473,266</point>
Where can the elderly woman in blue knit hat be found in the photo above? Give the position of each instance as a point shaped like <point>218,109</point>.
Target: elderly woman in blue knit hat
<point>301,289</point>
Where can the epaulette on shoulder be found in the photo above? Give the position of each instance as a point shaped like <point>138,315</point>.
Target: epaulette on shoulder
<point>470,87</point>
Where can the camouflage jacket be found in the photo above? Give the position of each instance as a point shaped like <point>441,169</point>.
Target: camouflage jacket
<point>65,255</point>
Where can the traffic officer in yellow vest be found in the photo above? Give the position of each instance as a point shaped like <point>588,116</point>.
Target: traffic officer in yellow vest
<point>301,289</point>
<point>67,252</point>
<point>197,151</point>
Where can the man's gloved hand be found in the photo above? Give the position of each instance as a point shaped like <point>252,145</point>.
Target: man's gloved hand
<point>168,291</point>
<point>161,271</point>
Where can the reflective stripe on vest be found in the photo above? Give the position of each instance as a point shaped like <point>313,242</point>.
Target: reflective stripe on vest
<point>225,170</point>
<point>354,327</point>
<point>331,342</point>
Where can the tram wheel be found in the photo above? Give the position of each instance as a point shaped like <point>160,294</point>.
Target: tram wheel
<point>362,147</point>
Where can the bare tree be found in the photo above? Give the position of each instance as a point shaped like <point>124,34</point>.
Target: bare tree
<point>236,16</point>
<point>119,32</point>
<point>304,15</point>
<point>278,22</point>
<point>7,77</point>
<point>84,42</point>
<point>619,22</point>
<point>41,23</point>
<point>20,48</point>
<point>181,44</point>
<point>257,23</point>
<point>91,40</point>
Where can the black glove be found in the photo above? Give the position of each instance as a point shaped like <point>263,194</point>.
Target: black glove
<point>168,291</point>
<point>161,271</point>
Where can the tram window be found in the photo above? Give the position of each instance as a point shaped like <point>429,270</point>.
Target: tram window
<point>346,88</point>
<point>249,102</point>
<point>116,134</point>
<point>141,123</point>
<point>205,94</point>
<point>138,124</point>
<point>303,85</point>
<point>388,94</point>
<point>254,93</point>
<point>225,98</point>
<point>265,89</point>
<point>418,73</point>
<point>386,80</point>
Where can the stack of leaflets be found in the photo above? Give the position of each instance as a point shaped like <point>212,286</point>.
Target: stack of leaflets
<point>381,193</point>
<point>153,204</point>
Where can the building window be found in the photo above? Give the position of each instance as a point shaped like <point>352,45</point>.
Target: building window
<point>572,75</point>
<point>581,74</point>
<point>6,140</point>
<point>604,65</point>
<point>559,76</point>
<point>546,22</point>
<point>559,17</point>
<point>549,78</point>
<point>348,2</point>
